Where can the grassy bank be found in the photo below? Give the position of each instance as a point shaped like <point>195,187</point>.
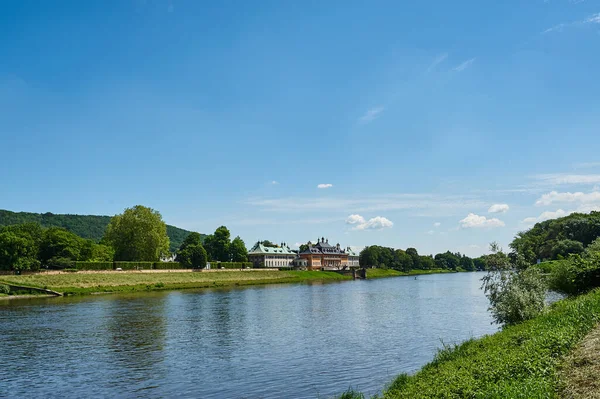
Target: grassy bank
<point>89,283</point>
<point>521,361</point>
<point>381,273</point>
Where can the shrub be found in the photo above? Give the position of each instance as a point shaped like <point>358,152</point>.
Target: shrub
<point>133,265</point>
<point>94,265</point>
<point>70,270</point>
<point>232,265</point>
<point>60,263</point>
<point>4,289</point>
<point>167,265</point>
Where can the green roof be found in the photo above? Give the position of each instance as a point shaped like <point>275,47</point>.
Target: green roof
<point>261,249</point>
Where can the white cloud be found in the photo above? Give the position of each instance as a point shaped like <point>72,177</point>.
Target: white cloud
<point>376,223</point>
<point>593,19</point>
<point>431,232</point>
<point>355,219</point>
<point>546,216</point>
<point>438,60</point>
<point>326,185</point>
<point>475,221</point>
<point>562,178</point>
<point>464,65</point>
<point>437,224</point>
<point>555,28</point>
<point>274,182</point>
<point>583,165</point>
<point>372,114</point>
<point>554,197</point>
<point>499,208</point>
<point>430,204</point>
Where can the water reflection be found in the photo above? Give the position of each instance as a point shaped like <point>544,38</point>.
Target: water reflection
<point>293,341</point>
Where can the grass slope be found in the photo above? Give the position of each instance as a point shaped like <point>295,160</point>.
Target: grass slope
<point>520,361</point>
<point>86,226</point>
<point>381,273</point>
<point>88,283</point>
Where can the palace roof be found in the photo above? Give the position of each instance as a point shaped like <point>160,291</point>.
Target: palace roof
<point>259,249</point>
<point>323,247</point>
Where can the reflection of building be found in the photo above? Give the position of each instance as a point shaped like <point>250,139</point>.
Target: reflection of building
<point>324,256</point>
<point>262,256</point>
<point>352,258</point>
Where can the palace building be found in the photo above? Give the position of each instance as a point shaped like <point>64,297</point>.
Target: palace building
<point>263,256</point>
<point>322,255</point>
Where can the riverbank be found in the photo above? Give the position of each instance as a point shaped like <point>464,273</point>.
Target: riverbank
<point>522,361</point>
<point>95,282</point>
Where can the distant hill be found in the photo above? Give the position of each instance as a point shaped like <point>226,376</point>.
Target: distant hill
<point>86,226</point>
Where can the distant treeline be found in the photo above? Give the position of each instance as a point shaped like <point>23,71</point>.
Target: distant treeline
<point>409,259</point>
<point>85,226</point>
<point>557,238</point>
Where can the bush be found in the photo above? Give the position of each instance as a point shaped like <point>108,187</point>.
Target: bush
<point>94,265</point>
<point>167,265</point>
<point>231,265</point>
<point>4,289</point>
<point>134,265</point>
<point>60,263</point>
<point>70,270</point>
<point>577,275</point>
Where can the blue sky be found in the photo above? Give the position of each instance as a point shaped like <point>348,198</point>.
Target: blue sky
<point>414,118</point>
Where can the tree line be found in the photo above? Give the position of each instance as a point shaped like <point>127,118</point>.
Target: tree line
<point>138,234</point>
<point>86,226</point>
<point>409,259</point>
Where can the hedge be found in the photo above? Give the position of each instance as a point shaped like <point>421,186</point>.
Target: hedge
<point>94,265</point>
<point>133,265</point>
<point>167,265</point>
<point>231,265</point>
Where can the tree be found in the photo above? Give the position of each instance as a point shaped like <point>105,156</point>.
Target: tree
<point>192,256</point>
<point>238,251</point>
<point>58,243</point>
<point>412,252</point>
<point>139,234</point>
<point>217,245</point>
<point>564,248</point>
<point>268,243</point>
<point>402,261</point>
<point>515,294</point>
<point>17,252</point>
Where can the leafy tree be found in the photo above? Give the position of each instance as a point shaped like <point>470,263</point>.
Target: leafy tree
<point>92,252</point>
<point>427,262</point>
<point>515,294</point>
<point>402,261</point>
<point>467,263</point>
<point>268,243</point>
<point>219,248</point>
<point>58,243</point>
<point>139,234</point>
<point>192,256</point>
<point>16,252</point>
<point>238,251</point>
<point>412,252</point>
<point>564,248</point>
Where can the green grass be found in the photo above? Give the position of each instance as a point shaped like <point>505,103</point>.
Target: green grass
<point>520,361</point>
<point>380,273</point>
<point>87,283</point>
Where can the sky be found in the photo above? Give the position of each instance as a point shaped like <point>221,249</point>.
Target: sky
<point>435,125</point>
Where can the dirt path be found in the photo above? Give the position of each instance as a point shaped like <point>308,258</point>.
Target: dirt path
<point>580,375</point>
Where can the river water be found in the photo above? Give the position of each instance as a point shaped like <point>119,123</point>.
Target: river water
<point>276,341</point>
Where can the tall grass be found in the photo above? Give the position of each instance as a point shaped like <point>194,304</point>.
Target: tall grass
<point>520,361</point>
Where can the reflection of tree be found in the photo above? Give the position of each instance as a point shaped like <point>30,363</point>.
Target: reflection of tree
<point>136,331</point>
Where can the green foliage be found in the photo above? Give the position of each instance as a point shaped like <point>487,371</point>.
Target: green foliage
<point>217,245</point>
<point>515,295</point>
<point>351,394</point>
<point>167,266</point>
<point>410,259</point>
<point>4,289</point>
<point>85,226</point>
<point>139,234</point>
<point>192,257</point>
<point>231,265</point>
<point>237,250</point>
<point>521,361</point>
<point>133,265</point>
<point>58,243</point>
<point>549,239</point>
<point>94,265</point>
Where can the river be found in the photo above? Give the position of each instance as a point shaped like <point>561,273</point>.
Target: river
<point>276,341</point>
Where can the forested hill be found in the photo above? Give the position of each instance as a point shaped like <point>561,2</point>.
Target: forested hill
<point>557,238</point>
<point>86,226</point>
